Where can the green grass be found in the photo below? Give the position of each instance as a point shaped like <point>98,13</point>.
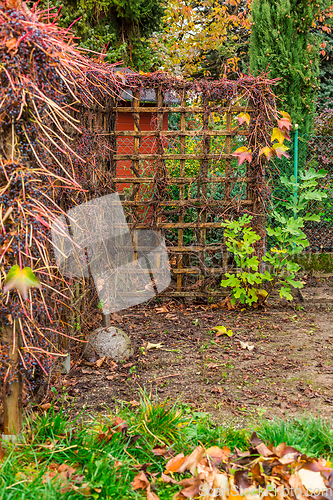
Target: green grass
<point>109,467</point>
<point>312,436</point>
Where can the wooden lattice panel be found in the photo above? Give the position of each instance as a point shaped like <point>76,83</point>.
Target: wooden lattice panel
<point>164,193</point>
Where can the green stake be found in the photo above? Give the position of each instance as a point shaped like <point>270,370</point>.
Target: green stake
<point>296,161</point>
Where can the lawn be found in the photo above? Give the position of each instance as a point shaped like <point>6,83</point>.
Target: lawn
<point>134,454</point>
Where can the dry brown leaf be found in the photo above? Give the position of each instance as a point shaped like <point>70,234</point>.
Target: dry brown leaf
<point>2,453</point>
<point>174,463</point>
<point>140,482</point>
<point>296,483</point>
<point>11,44</point>
<point>217,455</point>
<point>159,452</point>
<point>99,362</point>
<point>45,406</point>
<point>134,403</point>
<point>151,495</point>
<point>86,371</point>
<point>221,483</point>
<point>191,461</point>
<point>280,449</point>
<point>168,479</point>
<point>312,481</point>
<point>161,310</point>
<point>191,486</point>
<point>263,450</point>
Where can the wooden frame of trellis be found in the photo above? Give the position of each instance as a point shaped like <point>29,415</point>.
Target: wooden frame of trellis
<point>159,157</point>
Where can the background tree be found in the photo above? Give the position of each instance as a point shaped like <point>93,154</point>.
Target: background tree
<point>119,27</point>
<point>325,36</point>
<point>202,38</point>
<point>283,42</point>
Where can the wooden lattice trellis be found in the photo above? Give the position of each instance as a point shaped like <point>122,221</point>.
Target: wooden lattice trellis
<point>149,203</point>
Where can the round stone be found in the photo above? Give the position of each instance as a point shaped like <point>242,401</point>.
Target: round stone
<point>110,342</point>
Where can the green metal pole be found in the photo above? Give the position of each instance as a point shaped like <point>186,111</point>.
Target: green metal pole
<point>296,162</point>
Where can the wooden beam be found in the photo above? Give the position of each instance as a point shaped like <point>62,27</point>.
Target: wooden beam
<point>178,133</point>
<point>171,157</point>
<point>183,109</point>
<point>180,180</point>
<point>193,203</point>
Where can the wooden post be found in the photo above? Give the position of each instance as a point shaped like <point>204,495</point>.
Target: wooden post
<point>181,189</point>
<point>227,188</point>
<point>204,167</point>
<point>12,394</point>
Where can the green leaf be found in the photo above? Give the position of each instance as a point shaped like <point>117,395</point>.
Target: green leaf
<point>21,279</point>
<point>295,284</point>
<point>285,292</point>
<point>313,217</point>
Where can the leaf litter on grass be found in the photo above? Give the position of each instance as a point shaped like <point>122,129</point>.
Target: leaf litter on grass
<point>262,471</point>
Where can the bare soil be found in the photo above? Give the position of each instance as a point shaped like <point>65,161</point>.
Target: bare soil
<point>289,370</point>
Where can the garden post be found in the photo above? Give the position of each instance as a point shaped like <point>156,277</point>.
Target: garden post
<point>296,162</point>
<point>12,393</point>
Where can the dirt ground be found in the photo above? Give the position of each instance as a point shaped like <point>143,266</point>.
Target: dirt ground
<point>288,370</point>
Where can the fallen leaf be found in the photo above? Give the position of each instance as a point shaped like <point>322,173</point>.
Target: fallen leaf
<point>45,406</point>
<point>246,345</point>
<point>263,450</point>
<point>151,495</point>
<point>140,482</point>
<point>134,403</point>
<point>191,461</point>
<point>312,481</point>
<point>11,44</point>
<point>191,486</point>
<point>86,371</point>
<point>222,330</point>
<point>153,346</point>
<point>217,455</point>
<point>161,310</point>
<point>168,479</point>
<point>100,361</point>
<point>174,463</point>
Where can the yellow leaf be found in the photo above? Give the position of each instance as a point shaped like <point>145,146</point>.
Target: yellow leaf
<point>278,135</point>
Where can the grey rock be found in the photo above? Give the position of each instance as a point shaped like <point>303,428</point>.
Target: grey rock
<point>110,342</point>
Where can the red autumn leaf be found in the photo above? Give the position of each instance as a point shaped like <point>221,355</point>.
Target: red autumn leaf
<point>268,152</point>
<point>243,154</point>
<point>279,135</point>
<point>280,150</point>
<point>285,121</point>
<point>243,118</point>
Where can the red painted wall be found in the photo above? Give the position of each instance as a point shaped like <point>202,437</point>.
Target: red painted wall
<point>125,145</point>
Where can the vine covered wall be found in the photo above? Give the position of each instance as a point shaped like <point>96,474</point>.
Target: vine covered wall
<point>58,148</point>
